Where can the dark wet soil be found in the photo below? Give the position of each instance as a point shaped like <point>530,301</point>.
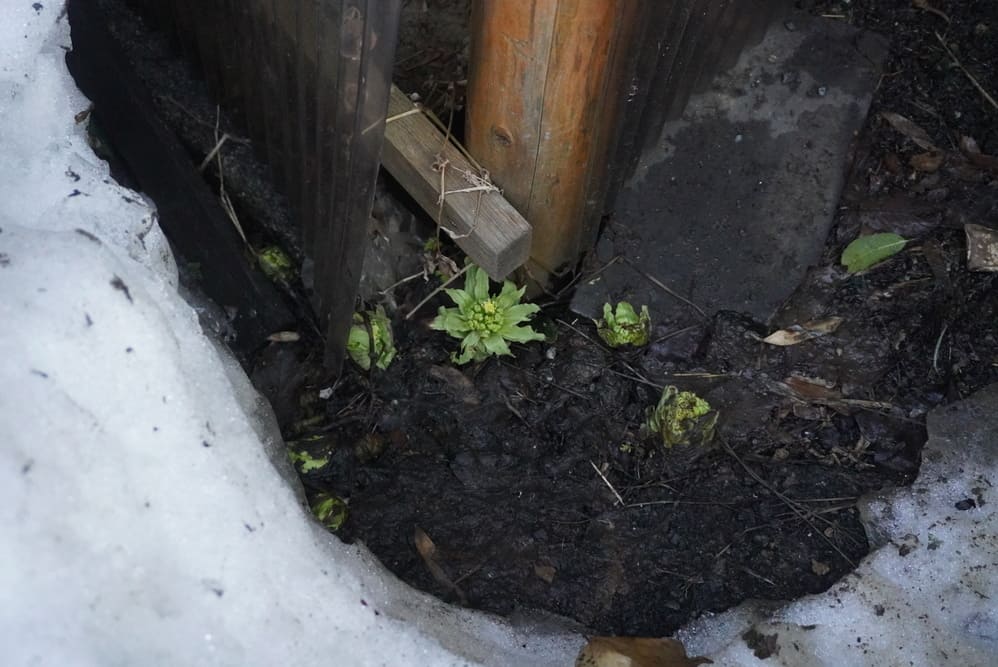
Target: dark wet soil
<point>529,473</point>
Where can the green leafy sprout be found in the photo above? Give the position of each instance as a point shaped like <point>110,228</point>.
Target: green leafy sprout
<point>624,326</point>
<point>330,510</point>
<point>276,264</point>
<point>307,463</point>
<point>486,324</point>
<point>681,417</point>
<point>373,324</point>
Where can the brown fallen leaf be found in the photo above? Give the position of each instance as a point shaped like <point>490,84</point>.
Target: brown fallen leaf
<point>927,162</point>
<point>798,333</point>
<point>545,572</point>
<point>809,388</point>
<point>925,6</point>
<point>819,568</point>
<point>910,129</point>
<point>636,652</point>
<point>428,552</point>
<point>284,337</point>
<point>970,150</point>
<point>456,383</point>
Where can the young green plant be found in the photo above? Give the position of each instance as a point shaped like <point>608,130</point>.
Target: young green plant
<point>371,329</point>
<point>623,326</point>
<point>681,418</point>
<point>486,324</point>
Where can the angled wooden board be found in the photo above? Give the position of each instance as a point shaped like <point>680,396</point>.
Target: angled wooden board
<point>486,226</point>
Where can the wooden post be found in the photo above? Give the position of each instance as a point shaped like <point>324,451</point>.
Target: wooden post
<point>546,90</point>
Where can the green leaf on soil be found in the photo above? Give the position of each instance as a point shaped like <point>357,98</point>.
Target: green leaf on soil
<point>867,251</point>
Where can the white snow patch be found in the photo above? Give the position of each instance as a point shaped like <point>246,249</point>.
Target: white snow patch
<point>145,503</point>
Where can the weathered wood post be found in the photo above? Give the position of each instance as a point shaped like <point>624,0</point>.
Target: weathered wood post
<point>546,91</point>
<point>310,80</point>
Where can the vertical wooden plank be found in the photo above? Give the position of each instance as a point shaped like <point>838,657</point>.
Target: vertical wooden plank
<point>536,92</point>
<point>619,91</point>
<point>270,94</point>
<point>366,35</point>
<point>307,59</point>
<point>285,34</point>
<point>243,16</point>
<point>186,31</point>
<point>329,19</point>
<point>650,58</point>
<point>230,95</point>
<point>207,23</point>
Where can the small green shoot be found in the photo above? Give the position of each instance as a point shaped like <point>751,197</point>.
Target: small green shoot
<point>624,326</point>
<point>305,462</point>
<point>486,324</point>
<point>371,324</point>
<point>681,417</point>
<point>329,510</point>
<point>276,264</point>
<point>868,251</point>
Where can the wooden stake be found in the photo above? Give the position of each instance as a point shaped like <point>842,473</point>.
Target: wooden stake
<point>544,98</point>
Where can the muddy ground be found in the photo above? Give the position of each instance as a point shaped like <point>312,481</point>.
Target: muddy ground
<point>529,473</point>
<point>502,464</point>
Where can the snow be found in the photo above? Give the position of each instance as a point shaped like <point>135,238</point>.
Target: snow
<point>149,515</point>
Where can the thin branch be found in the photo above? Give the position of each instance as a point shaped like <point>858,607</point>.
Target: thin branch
<point>970,76</point>
<point>658,283</point>
<point>801,512</point>
<point>599,472</point>
<point>436,291</point>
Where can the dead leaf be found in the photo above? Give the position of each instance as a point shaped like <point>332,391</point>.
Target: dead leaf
<point>927,162</point>
<point>545,572</point>
<point>806,388</point>
<point>925,6</point>
<point>909,129</point>
<point>970,150</point>
<point>424,545</point>
<point>284,337</point>
<point>763,646</point>
<point>428,552</point>
<point>636,652</point>
<point>982,248</point>
<point>819,568</point>
<point>457,384</point>
<point>798,333</point>
<point>809,411</point>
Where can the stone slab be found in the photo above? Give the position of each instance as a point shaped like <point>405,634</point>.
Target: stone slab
<point>736,199</point>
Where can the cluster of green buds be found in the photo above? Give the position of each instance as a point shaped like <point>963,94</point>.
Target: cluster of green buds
<point>486,324</point>
<point>371,337</point>
<point>623,326</point>
<point>682,417</point>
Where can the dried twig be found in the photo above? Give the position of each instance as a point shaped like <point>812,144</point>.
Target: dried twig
<point>223,196</point>
<point>939,342</point>
<point>436,291</point>
<point>599,472</point>
<point>802,512</point>
<point>970,76</point>
<point>658,283</point>
<point>926,7</point>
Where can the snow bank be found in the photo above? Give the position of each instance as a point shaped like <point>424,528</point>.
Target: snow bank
<point>927,596</point>
<point>144,521</point>
<point>145,507</point>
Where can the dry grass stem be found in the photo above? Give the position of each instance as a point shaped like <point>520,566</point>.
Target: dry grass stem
<point>436,291</point>
<point>599,472</point>
<point>973,79</point>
